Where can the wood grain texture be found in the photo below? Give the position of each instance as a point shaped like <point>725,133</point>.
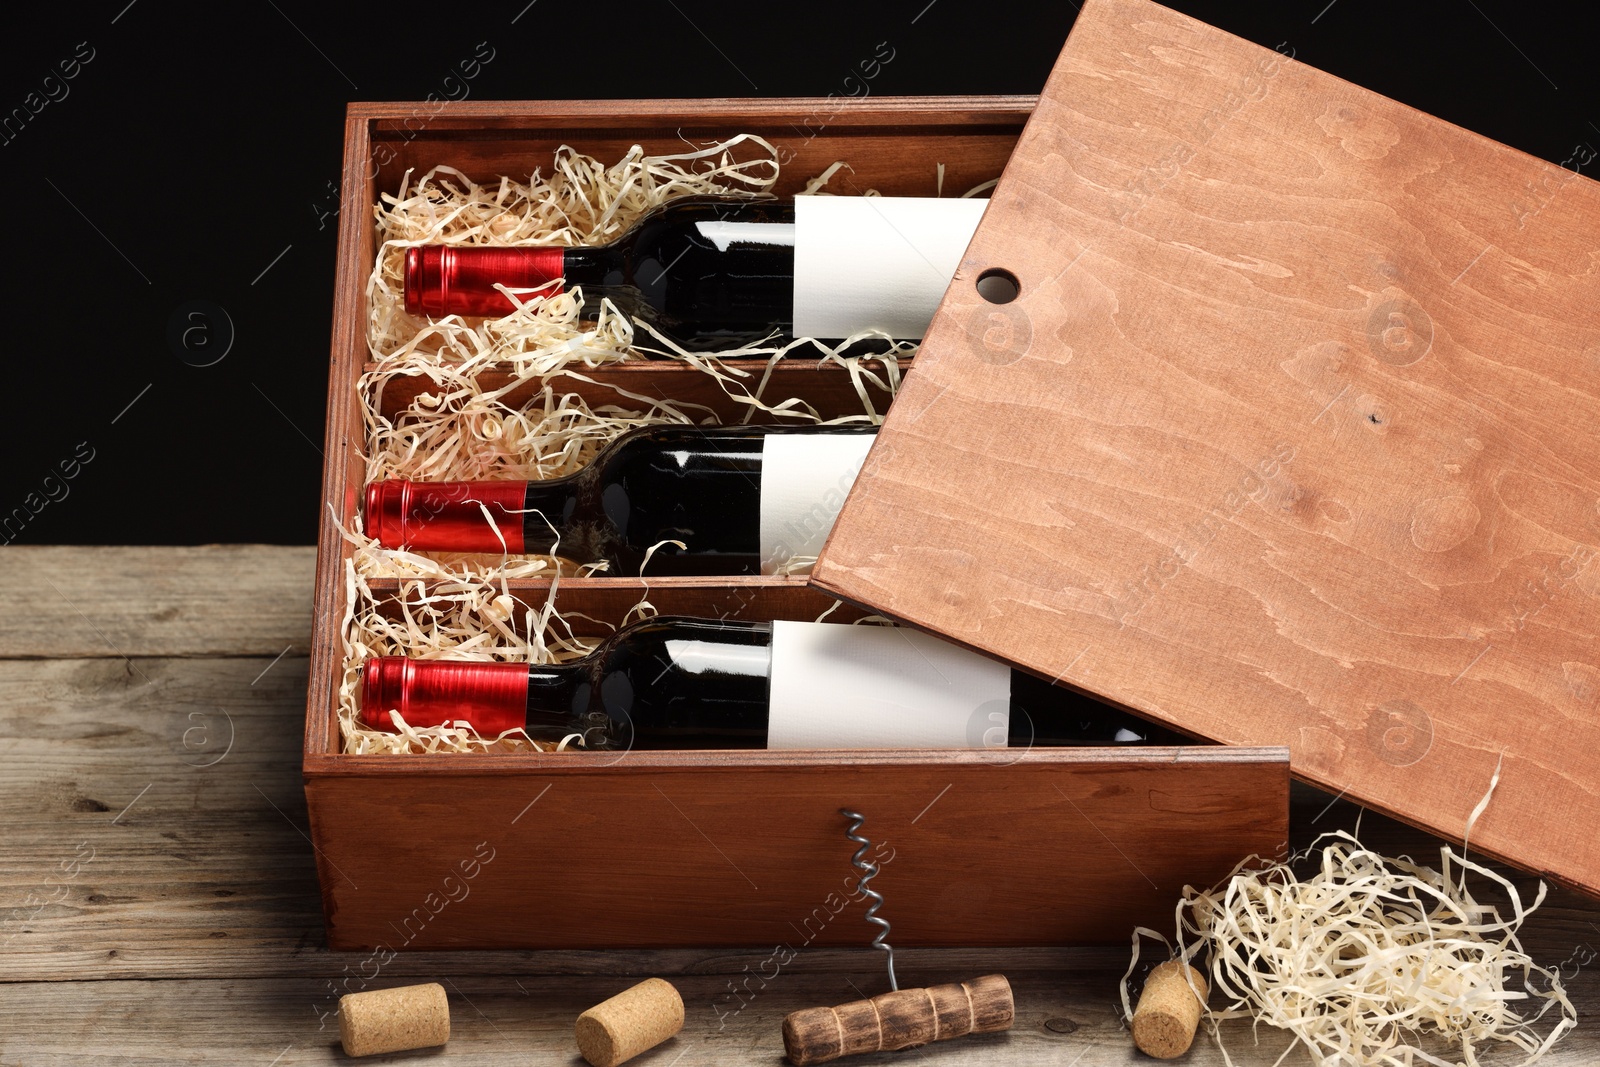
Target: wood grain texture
<point>396,119</point>
<point>344,436</point>
<point>203,853</point>
<point>1298,401</point>
<point>747,849</point>
<point>207,872</point>
<point>155,826</point>
<point>902,1018</point>
<point>970,135</point>
<point>59,602</point>
<point>514,1020</point>
<point>510,1018</point>
<point>152,816</point>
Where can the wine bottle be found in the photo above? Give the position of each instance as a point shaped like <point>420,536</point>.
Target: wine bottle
<point>702,683</point>
<point>714,272</point>
<point>740,499</point>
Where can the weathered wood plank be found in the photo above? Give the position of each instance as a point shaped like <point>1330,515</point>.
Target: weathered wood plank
<point>139,843</point>
<point>142,834</point>
<point>1060,846</point>
<point>512,1018</point>
<point>153,814</point>
<point>60,601</point>
<point>507,1019</point>
<point>155,827</point>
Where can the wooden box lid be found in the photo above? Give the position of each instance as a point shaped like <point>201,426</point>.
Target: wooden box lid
<point>1289,438</point>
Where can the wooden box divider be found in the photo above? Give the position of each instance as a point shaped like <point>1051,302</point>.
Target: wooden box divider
<point>604,601</point>
<point>825,386</point>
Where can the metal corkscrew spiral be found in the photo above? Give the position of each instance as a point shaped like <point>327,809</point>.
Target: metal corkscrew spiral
<point>869,871</point>
<point>900,1018</point>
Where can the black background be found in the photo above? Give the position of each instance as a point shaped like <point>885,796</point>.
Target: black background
<point>195,157</point>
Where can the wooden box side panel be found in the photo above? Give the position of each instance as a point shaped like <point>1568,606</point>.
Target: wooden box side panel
<point>890,144</point>
<point>1057,848</point>
<point>345,438</point>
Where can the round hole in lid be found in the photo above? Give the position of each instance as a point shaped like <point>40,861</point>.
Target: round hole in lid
<point>998,285</point>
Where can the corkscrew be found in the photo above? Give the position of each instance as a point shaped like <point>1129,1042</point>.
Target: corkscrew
<point>901,1018</point>
<point>869,871</point>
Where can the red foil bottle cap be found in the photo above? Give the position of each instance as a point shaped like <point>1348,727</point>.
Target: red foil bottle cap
<point>493,697</point>
<point>446,516</point>
<point>460,280</point>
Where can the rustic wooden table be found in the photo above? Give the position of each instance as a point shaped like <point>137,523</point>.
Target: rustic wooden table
<point>158,901</point>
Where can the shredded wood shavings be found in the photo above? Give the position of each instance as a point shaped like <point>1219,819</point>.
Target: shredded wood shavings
<point>582,201</point>
<point>460,427</point>
<point>466,619</point>
<point>1370,958</point>
<point>525,421</point>
<point>461,618</point>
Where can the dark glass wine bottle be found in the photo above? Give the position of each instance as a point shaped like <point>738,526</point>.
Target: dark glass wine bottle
<point>740,499</point>
<point>700,683</point>
<point>716,272</point>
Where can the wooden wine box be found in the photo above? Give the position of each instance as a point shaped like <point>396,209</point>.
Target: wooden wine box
<point>737,848</point>
<point>1300,391</point>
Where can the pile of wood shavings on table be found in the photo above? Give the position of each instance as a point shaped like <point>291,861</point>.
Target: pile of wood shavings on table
<point>1369,958</point>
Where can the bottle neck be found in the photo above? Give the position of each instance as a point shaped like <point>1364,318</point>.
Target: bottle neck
<point>491,697</point>
<point>550,513</point>
<point>678,683</point>
<point>446,516</point>
<point>556,705</point>
<point>548,701</point>
<point>593,266</point>
<point>460,280</point>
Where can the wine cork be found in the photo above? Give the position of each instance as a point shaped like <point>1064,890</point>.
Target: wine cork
<point>899,1020</point>
<point>616,1030</point>
<point>393,1020</point>
<point>1168,1011</point>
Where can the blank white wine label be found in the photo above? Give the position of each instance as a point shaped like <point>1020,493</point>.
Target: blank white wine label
<point>876,262</point>
<point>837,686</point>
<point>804,480</point>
